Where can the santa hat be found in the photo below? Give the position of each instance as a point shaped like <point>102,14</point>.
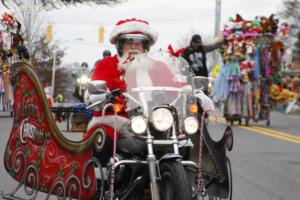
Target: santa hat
<point>133,26</point>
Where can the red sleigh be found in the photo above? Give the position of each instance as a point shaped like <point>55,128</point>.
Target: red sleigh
<point>37,155</point>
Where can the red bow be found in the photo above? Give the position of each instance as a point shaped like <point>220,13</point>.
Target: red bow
<point>173,53</point>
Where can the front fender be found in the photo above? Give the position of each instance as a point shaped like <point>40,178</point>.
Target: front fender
<point>170,156</point>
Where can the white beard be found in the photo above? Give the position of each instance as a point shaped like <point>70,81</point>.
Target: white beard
<point>131,61</point>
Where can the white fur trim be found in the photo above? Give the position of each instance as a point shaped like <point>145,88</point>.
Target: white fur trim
<point>133,26</point>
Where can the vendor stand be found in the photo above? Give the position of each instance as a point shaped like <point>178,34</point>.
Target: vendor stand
<point>251,57</point>
<point>12,50</point>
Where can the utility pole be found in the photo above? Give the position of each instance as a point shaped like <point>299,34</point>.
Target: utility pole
<point>217,17</point>
<point>217,27</point>
<point>53,74</point>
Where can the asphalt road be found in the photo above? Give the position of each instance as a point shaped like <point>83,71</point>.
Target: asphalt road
<point>265,160</point>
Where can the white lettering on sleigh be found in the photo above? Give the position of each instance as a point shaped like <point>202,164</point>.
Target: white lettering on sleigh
<point>31,131</point>
<point>27,110</point>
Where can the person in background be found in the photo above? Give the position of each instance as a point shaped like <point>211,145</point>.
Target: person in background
<point>84,68</point>
<point>195,54</point>
<point>59,98</point>
<point>80,80</point>
<point>106,53</point>
<point>48,93</point>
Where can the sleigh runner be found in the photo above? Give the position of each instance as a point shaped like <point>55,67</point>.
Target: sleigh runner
<point>37,155</point>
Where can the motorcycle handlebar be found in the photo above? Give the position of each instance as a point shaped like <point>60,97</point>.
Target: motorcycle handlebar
<point>110,98</point>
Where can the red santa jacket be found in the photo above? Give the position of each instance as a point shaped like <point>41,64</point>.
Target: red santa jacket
<point>107,70</point>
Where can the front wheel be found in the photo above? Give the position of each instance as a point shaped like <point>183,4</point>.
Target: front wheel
<point>174,184</point>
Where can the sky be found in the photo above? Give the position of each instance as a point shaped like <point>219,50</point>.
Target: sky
<point>174,20</point>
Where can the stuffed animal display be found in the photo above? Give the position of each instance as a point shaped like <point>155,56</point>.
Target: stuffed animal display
<point>247,38</point>
<point>251,56</point>
<point>12,49</point>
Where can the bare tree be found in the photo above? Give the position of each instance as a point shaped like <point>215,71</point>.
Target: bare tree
<point>42,61</point>
<point>32,17</point>
<point>43,53</point>
<point>50,4</point>
<point>291,13</point>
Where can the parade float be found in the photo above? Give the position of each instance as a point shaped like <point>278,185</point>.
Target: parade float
<point>251,57</point>
<point>12,50</point>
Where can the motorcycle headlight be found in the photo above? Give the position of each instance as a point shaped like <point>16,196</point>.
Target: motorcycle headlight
<point>162,119</point>
<point>84,80</point>
<point>138,125</point>
<point>191,125</point>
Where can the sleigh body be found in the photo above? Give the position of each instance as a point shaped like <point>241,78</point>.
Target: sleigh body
<point>37,155</point>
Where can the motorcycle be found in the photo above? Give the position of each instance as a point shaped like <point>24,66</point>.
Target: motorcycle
<point>139,152</point>
<point>163,113</point>
<point>80,86</point>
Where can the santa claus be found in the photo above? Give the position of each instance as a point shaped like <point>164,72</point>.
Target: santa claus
<point>131,37</point>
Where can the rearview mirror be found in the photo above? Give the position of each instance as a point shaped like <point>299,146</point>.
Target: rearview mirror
<point>200,82</point>
<point>97,87</point>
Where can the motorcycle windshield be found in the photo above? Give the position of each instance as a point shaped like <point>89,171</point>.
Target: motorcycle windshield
<point>157,79</point>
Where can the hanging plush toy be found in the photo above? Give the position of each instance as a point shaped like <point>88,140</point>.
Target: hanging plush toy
<point>229,49</point>
<point>284,29</point>
<point>276,54</point>
<point>239,50</point>
<point>11,41</point>
<point>249,46</point>
<point>17,38</point>
<point>238,23</point>
<point>228,29</point>
<point>247,67</point>
<point>266,25</point>
<point>5,69</point>
<point>274,23</point>
<point>256,25</point>
<point>248,30</point>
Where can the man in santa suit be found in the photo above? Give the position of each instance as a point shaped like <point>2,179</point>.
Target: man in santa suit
<point>132,37</point>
